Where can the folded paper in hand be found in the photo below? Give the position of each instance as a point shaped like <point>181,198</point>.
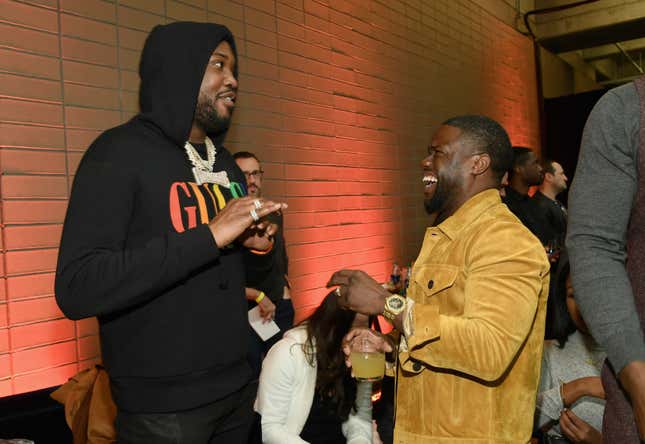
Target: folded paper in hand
<point>264,329</point>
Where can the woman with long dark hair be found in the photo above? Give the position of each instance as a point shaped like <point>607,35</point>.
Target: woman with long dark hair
<point>306,392</point>
<point>570,402</point>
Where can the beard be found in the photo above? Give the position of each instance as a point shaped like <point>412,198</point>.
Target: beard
<point>443,191</point>
<point>207,117</point>
<point>535,180</point>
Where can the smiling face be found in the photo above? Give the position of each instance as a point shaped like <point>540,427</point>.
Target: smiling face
<point>218,92</point>
<point>444,172</point>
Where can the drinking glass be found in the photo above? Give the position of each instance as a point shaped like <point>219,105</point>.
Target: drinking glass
<point>368,362</point>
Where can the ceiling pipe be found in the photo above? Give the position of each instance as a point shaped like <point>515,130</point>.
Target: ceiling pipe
<point>551,9</point>
<point>628,57</point>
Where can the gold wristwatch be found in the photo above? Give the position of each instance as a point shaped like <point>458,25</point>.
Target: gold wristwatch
<point>394,305</point>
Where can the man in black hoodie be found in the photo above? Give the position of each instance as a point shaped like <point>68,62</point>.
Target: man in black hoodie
<point>152,245</point>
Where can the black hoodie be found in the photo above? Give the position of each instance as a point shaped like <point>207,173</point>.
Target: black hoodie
<point>136,251</point>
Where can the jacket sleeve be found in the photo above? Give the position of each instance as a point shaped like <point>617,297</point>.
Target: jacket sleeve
<point>501,296</point>
<point>275,393</point>
<point>97,273</point>
<point>358,427</point>
<point>600,205</point>
<point>549,402</point>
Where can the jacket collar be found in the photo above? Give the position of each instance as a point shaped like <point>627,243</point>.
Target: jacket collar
<point>469,211</point>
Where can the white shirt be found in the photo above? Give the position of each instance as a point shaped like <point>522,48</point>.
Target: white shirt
<point>286,392</point>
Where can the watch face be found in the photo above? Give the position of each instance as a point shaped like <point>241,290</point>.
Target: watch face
<point>395,303</point>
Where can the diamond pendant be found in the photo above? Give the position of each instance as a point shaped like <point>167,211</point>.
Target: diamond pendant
<point>219,178</point>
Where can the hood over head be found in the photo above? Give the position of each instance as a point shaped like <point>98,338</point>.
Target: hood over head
<point>172,66</point>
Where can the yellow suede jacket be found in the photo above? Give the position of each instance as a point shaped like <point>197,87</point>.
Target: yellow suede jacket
<point>470,364</point>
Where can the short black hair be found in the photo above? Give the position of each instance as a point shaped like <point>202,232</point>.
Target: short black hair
<point>488,136</point>
<point>245,155</point>
<point>520,157</point>
<point>547,166</point>
<point>559,325</point>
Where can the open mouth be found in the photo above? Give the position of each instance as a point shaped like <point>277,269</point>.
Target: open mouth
<point>429,179</point>
<point>227,97</point>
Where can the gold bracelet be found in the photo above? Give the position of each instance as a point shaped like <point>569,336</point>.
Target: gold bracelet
<point>260,297</point>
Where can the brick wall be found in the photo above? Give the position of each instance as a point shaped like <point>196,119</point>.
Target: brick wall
<point>338,97</point>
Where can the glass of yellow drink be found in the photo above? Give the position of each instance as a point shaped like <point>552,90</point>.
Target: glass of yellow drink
<point>367,362</point>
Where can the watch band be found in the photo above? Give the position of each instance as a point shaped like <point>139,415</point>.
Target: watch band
<point>388,315</point>
<point>391,313</point>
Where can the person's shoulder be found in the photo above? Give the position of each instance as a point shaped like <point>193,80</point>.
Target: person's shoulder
<point>297,334</point>
<point>618,100</point>
<point>126,139</point>
<point>509,196</point>
<point>539,206</point>
<point>538,197</point>
<point>540,200</point>
<point>501,225</point>
<point>290,346</point>
<point>625,92</point>
<point>612,131</point>
<point>501,214</point>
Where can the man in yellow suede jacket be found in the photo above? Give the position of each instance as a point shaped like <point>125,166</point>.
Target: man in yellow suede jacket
<point>473,324</point>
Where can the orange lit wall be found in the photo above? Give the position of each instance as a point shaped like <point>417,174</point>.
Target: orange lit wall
<point>338,98</point>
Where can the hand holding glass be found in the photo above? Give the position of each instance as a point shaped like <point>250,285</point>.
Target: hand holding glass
<point>367,361</point>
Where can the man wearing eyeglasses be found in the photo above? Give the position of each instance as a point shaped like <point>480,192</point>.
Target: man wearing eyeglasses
<point>266,274</point>
<point>250,166</point>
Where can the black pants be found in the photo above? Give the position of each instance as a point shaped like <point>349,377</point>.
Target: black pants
<point>225,421</point>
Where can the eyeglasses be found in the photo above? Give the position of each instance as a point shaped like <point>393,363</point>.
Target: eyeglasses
<point>254,174</point>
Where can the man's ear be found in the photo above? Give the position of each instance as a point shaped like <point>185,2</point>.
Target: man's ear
<point>481,163</point>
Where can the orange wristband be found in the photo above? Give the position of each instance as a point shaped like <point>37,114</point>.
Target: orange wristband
<point>261,252</point>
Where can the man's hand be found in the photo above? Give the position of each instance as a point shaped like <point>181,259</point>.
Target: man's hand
<point>259,236</point>
<point>577,430</point>
<point>236,218</point>
<point>632,378</point>
<point>267,309</point>
<point>382,342</point>
<point>358,292</point>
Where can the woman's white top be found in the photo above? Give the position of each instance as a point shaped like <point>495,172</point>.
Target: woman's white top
<point>286,392</point>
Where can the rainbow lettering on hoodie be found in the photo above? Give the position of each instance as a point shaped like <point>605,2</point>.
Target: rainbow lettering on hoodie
<point>191,204</point>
